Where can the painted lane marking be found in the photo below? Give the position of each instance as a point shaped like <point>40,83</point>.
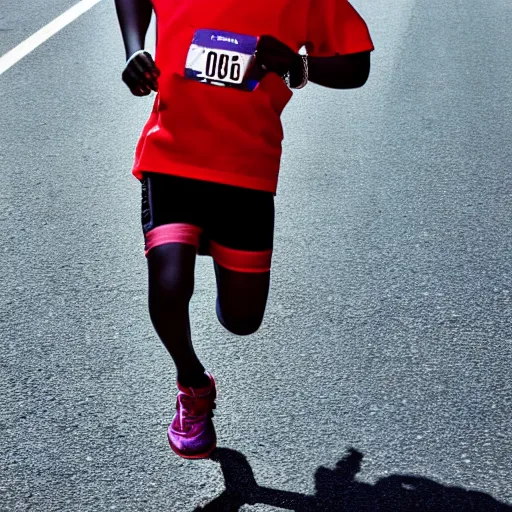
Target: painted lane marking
<point>31,43</point>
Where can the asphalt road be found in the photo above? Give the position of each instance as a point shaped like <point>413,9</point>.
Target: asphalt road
<point>381,378</point>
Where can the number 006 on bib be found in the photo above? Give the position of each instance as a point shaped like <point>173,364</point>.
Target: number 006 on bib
<point>221,58</point>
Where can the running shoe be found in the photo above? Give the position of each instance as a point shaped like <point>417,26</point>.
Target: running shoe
<point>191,433</point>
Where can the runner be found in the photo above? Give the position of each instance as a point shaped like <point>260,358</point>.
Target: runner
<point>208,157</point>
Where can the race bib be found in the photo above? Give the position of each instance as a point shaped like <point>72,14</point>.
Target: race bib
<point>222,58</point>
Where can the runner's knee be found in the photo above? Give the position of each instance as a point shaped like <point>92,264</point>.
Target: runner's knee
<point>240,324</point>
<point>171,274</point>
<point>174,286</point>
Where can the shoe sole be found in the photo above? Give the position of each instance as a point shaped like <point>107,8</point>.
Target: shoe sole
<point>203,455</point>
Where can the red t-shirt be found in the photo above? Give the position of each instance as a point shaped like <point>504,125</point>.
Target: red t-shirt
<point>223,134</point>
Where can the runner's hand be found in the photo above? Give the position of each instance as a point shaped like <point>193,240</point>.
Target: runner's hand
<point>141,74</point>
<point>274,56</point>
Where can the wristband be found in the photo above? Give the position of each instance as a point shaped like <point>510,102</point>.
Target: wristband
<point>297,77</point>
<point>134,55</point>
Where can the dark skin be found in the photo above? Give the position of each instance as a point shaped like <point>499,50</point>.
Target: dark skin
<point>340,71</point>
<point>141,74</point>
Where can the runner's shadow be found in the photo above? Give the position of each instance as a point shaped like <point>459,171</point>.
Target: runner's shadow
<point>337,490</point>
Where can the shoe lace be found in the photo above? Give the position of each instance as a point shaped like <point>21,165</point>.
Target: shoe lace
<point>194,409</point>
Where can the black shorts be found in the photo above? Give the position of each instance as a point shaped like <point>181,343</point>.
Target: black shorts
<point>220,216</point>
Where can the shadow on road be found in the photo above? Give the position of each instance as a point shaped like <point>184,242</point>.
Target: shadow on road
<point>338,491</point>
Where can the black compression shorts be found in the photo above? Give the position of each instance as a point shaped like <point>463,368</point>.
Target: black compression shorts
<point>222,216</point>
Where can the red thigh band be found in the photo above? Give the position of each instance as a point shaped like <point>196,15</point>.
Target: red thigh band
<point>241,261</point>
<point>172,233</point>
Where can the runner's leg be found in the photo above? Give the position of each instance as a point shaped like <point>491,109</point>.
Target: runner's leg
<point>170,287</point>
<point>171,220</point>
<point>241,233</point>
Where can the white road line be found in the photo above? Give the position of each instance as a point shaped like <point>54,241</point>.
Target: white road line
<point>16,54</point>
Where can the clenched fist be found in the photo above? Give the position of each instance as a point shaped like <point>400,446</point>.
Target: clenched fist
<point>141,74</point>
<point>274,56</point>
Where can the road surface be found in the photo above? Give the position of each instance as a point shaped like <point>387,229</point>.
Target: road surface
<point>387,343</point>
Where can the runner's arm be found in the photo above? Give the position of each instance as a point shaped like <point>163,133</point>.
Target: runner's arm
<point>338,44</point>
<point>140,73</point>
<point>134,18</point>
<point>337,72</point>
<point>340,71</point>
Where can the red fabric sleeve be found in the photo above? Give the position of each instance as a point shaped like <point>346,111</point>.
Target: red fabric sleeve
<point>335,27</point>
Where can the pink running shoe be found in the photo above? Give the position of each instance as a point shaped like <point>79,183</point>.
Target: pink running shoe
<point>191,433</point>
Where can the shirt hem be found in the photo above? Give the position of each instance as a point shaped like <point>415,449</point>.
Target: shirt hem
<point>203,174</point>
